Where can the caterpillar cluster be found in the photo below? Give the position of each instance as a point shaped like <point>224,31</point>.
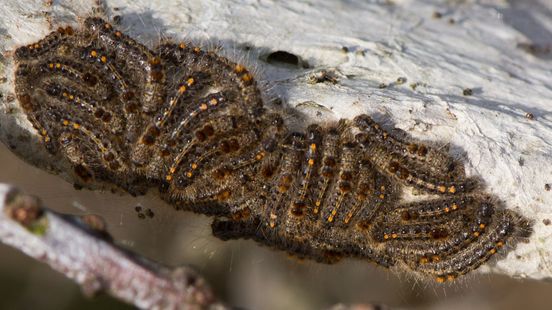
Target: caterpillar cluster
<point>192,124</point>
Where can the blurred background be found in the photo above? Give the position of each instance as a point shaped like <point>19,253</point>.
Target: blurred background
<point>242,273</point>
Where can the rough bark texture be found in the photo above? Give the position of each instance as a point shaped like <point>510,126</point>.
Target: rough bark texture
<point>473,75</point>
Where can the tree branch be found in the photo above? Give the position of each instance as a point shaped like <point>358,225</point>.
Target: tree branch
<point>468,74</point>
<point>81,249</point>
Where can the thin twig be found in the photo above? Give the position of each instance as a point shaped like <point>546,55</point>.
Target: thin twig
<point>81,249</point>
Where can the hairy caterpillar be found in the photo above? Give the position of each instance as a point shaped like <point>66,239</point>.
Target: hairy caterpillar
<point>192,124</point>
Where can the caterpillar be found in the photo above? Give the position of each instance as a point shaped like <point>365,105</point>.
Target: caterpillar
<point>193,125</point>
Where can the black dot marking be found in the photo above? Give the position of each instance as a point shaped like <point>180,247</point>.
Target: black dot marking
<point>285,59</point>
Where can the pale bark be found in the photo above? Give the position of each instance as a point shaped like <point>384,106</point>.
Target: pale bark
<point>499,50</point>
